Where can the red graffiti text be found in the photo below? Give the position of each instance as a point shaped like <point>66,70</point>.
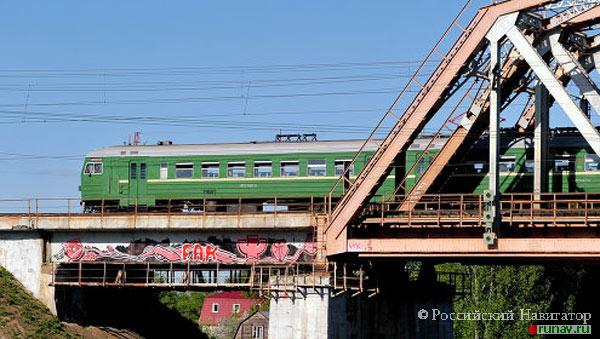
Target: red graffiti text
<point>199,252</point>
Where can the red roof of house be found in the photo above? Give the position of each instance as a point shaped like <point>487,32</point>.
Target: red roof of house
<point>227,295</point>
<point>225,302</point>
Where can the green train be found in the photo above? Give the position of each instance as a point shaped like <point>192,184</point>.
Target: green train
<point>150,176</point>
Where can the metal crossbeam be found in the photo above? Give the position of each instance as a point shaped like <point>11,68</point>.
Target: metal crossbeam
<point>575,71</point>
<point>556,89</point>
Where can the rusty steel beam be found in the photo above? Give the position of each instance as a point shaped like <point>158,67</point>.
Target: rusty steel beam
<point>459,136</point>
<point>426,103</point>
<point>475,248</point>
<point>512,72</point>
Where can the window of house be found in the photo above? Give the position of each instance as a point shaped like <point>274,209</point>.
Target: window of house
<point>257,332</point>
<point>263,169</point>
<point>210,170</point>
<point>592,163</point>
<point>236,308</point>
<point>340,165</point>
<point>93,168</point>
<point>317,168</point>
<point>215,308</point>
<point>143,171</point>
<point>164,171</point>
<point>133,171</point>
<point>184,170</point>
<point>236,169</point>
<point>507,163</point>
<point>290,168</point>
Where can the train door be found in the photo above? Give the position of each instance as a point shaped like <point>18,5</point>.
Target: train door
<point>563,178</point>
<point>138,173</point>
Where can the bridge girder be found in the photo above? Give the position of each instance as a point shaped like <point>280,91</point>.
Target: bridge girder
<point>506,23</point>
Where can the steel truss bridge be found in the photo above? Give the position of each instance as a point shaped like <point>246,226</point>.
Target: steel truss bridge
<point>540,50</point>
<point>537,50</point>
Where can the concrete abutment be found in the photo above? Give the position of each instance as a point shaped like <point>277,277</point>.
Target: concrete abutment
<point>390,313</point>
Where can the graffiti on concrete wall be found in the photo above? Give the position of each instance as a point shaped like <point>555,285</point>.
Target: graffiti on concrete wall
<point>247,249</point>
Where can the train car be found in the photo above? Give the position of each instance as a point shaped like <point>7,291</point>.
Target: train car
<point>165,174</point>
<point>572,166</point>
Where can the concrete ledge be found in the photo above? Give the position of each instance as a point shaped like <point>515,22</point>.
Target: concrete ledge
<point>157,221</point>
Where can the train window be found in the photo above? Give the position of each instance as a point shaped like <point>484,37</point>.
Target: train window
<point>93,168</point>
<point>561,165</point>
<point>143,171</point>
<point>290,168</point>
<point>506,163</point>
<point>210,170</point>
<point>236,169</point>
<point>592,163</point>
<point>184,170</point>
<point>317,168</point>
<point>423,164</point>
<point>340,165</point>
<point>263,169</point>
<point>164,171</point>
<point>529,166</point>
<point>479,166</point>
<point>133,170</point>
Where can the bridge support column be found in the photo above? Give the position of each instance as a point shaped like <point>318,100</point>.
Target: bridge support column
<point>540,141</point>
<point>391,312</point>
<point>491,229</point>
<point>495,108</point>
<point>300,315</point>
<point>21,254</point>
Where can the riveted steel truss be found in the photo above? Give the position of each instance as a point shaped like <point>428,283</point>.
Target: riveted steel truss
<point>504,50</point>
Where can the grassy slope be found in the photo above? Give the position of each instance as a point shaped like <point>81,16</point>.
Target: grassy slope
<point>21,315</point>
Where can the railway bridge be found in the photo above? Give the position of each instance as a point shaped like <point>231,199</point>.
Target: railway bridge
<point>525,59</point>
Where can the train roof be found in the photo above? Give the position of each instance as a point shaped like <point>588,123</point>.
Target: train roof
<point>328,146</point>
<point>558,137</point>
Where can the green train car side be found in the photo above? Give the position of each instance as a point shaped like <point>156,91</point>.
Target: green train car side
<point>154,175</point>
<point>164,174</point>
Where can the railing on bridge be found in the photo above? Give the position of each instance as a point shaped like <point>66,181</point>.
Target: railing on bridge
<point>432,210</point>
<point>466,210</point>
<point>66,206</point>
<point>265,279</point>
<point>68,213</point>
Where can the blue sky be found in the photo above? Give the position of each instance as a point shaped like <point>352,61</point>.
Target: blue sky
<point>77,75</point>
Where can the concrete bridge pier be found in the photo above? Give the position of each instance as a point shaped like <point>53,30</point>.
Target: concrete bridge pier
<point>23,254</point>
<point>392,312</point>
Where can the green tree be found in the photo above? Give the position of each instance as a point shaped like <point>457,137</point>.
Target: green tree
<point>503,288</point>
<point>188,304</point>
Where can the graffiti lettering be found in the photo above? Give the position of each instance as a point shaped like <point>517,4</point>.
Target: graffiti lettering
<point>199,252</point>
<point>247,249</point>
<point>354,246</point>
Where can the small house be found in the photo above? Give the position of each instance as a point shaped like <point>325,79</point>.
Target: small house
<point>255,326</point>
<point>223,305</point>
